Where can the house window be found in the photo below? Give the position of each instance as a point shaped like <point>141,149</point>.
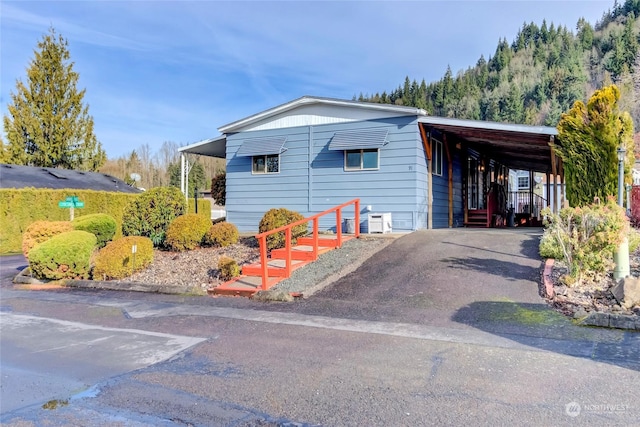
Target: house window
<point>436,157</point>
<point>265,164</point>
<point>366,159</point>
<point>523,183</point>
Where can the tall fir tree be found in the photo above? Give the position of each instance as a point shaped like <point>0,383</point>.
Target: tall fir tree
<point>48,125</point>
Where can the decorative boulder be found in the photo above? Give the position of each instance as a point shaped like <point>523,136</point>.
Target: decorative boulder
<point>627,292</point>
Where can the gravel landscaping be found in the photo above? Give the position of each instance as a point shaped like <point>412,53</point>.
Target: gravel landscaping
<point>198,268</point>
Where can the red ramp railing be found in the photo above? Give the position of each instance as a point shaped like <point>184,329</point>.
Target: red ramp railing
<point>315,238</point>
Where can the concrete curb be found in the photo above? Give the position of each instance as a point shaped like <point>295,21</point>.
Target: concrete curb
<point>611,320</point>
<point>599,319</point>
<point>135,287</point>
<point>546,278</point>
<point>24,282</point>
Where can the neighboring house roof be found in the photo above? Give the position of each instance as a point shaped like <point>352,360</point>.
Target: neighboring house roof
<point>16,176</point>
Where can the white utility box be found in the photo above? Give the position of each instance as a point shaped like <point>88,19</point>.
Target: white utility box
<point>380,223</point>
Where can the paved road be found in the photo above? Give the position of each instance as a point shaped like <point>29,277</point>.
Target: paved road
<point>460,337</point>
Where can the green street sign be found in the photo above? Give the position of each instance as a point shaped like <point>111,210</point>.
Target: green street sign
<point>72,199</point>
<point>78,205</point>
<point>67,204</point>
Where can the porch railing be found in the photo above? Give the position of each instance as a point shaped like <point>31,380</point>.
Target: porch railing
<point>521,201</point>
<point>262,237</point>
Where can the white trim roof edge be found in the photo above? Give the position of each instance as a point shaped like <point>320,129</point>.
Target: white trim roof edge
<point>478,124</point>
<point>309,100</point>
<point>201,143</point>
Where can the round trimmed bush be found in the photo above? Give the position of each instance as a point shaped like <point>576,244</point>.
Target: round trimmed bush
<point>278,217</point>
<point>41,231</point>
<point>186,232</point>
<point>65,256</point>
<point>116,260</point>
<point>228,268</point>
<point>221,234</point>
<point>100,224</point>
<point>150,214</point>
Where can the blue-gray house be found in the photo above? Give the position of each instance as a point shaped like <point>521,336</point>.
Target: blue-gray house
<point>313,153</point>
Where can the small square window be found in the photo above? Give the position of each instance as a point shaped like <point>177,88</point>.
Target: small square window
<point>367,159</point>
<point>523,183</point>
<point>265,164</point>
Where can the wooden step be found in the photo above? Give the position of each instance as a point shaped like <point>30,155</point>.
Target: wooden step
<point>325,242</point>
<point>244,286</point>
<point>275,268</point>
<point>477,218</point>
<point>298,252</point>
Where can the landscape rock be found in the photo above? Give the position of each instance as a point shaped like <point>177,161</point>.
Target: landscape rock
<point>627,292</point>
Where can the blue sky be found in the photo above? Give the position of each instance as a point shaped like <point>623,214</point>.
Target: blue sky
<point>160,71</point>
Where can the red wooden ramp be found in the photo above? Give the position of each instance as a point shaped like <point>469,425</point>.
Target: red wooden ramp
<point>280,263</point>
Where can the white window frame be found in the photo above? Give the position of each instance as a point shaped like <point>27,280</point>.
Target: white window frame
<point>523,188</point>
<point>361,167</point>
<point>436,157</point>
<point>265,157</point>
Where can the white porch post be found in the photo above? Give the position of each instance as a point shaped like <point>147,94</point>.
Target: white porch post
<point>182,173</point>
<point>186,182</point>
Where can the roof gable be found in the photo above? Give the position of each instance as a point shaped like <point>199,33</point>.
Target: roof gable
<point>311,111</point>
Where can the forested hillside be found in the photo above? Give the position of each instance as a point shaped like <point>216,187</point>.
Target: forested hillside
<point>539,75</point>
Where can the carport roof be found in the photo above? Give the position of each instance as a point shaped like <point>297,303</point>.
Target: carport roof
<point>522,147</point>
<point>213,147</point>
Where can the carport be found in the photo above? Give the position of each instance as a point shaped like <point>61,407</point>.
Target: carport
<point>490,150</point>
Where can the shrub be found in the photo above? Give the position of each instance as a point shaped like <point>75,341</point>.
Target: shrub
<point>65,256</point>
<point>228,268</point>
<point>41,231</point>
<point>100,224</point>
<point>222,234</point>
<point>150,214</point>
<point>585,238</point>
<point>186,232</point>
<point>19,207</point>
<point>219,188</point>
<point>116,260</point>
<point>634,239</point>
<point>278,217</point>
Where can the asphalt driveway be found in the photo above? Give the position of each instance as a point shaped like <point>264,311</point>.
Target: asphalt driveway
<point>429,276</point>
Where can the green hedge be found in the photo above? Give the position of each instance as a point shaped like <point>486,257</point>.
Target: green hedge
<point>21,207</point>
<point>204,207</point>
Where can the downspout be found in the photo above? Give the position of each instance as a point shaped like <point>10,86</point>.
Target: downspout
<point>310,172</point>
<point>426,143</point>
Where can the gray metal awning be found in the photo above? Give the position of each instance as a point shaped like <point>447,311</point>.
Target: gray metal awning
<point>262,146</point>
<point>358,139</point>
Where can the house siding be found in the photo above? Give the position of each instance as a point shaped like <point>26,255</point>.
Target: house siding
<point>312,178</point>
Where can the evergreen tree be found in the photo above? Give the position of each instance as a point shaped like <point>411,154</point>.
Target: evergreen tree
<point>197,177</point>
<point>588,139</point>
<point>48,125</point>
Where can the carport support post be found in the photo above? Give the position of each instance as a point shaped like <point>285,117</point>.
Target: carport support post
<point>621,256</point>
<point>426,142</point>
<point>182,173</point>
